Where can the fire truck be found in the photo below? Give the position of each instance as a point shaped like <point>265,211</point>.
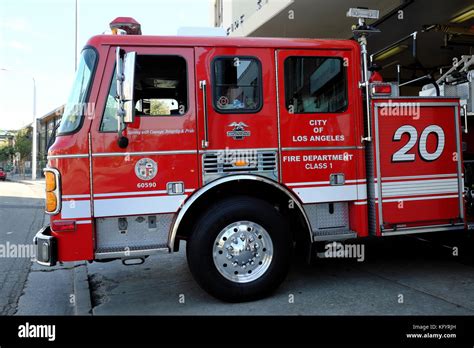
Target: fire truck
<point>243,148</point>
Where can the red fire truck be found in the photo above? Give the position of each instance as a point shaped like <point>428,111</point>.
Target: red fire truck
<point>242,147</point>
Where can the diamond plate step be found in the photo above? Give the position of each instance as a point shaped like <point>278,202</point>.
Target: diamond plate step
<point>333,234</point>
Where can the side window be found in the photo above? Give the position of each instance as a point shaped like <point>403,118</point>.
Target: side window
<point>315,85</point>
<point>161,87</point>
<point>109,118</point>
<point>237,85</point>
<point>161,90</point>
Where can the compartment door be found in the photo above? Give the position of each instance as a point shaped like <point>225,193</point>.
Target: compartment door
<point>418,182</point>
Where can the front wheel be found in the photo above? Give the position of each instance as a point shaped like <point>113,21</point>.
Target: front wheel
<point>240,249</point>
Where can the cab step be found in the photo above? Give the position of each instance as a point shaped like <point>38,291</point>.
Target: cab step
<point>129,252</point>
<point>331,234</point>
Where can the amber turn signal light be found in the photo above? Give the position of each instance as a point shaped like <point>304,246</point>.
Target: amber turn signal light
<point>51,202</point>
<point>50,181</point>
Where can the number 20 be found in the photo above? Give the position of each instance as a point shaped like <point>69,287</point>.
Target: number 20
<point>402,155</point>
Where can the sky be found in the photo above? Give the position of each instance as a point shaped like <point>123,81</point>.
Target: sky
<point>37,41</point>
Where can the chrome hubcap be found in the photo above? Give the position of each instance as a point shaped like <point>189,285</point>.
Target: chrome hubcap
<point>243,251</point>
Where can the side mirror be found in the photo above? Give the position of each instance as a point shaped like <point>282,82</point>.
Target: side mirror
<point>128,85</point>
<point>125,65</point>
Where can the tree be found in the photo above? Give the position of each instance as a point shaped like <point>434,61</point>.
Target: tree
<point>23,145</point>
<point>158,107</point>
<point>6,153</point>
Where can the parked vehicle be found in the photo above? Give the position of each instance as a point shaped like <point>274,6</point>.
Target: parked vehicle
<point>242,147</point>
<point>3,174</point>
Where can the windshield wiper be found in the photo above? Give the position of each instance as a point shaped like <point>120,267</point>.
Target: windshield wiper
<point>53,135</point>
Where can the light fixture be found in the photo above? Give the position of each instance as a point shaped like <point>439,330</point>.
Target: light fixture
<point>463,16</point>
<point>127,24</point>
<point>390,52</point>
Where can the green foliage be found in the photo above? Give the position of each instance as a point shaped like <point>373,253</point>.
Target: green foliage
<point>6,153</point>
<point>158,107</point>
<point>23,145</point>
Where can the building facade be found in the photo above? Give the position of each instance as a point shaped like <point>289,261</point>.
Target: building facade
<point>417,37</point>
<point>21,164</point>
<point>7,138</point>
<point>46,133</point>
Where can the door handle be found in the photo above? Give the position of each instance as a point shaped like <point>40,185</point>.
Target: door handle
<point>205,141</point>
<point>464,107</point>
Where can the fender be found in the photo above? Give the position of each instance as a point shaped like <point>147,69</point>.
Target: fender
<point>189,202</point>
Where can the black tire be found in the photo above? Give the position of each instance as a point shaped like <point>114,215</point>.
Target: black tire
<point>199,248</point>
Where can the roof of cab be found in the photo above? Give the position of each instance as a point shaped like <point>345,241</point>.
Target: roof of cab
<point>252,42</point>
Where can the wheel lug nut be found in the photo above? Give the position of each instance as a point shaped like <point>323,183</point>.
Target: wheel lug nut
<point>234,240</point>
<point>256,245</point>
<point>257,255</point>
<point>242,237</point>
<point>235,264</point>
<point>252,263</point>
<point>228,256</point>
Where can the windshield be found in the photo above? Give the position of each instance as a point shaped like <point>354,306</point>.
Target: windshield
<point>76,105</point>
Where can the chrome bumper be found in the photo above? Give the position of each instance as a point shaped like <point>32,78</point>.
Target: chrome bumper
<point>46,252</point>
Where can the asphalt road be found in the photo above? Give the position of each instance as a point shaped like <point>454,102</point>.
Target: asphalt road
<point>399,276</point>
<point>402,276</point>
<point>20,216</point>
<point>25,287</point>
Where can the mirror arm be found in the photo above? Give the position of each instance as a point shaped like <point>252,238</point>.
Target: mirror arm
<point>122,139</point>
<point>119,65</point>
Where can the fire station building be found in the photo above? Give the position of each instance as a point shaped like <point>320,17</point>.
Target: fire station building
<point>417,38</point>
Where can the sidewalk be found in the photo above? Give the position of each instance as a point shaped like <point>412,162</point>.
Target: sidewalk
<point>26,179</point>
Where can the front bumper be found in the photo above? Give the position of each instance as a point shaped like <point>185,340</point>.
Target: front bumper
<point>46,250</point>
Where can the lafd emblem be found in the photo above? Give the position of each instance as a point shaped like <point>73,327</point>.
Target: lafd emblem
<point>239,132</point>
<point>146,169</point>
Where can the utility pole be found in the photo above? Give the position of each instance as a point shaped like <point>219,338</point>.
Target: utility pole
<point>34,154</point>
<point>75,35</point>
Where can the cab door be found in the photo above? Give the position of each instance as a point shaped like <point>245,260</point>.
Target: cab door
<point>158,168</point>
<point>322,156</point>
<point>237,111</point>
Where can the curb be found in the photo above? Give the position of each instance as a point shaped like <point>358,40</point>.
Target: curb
<point>82,303</point>
<point>25,180</point>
